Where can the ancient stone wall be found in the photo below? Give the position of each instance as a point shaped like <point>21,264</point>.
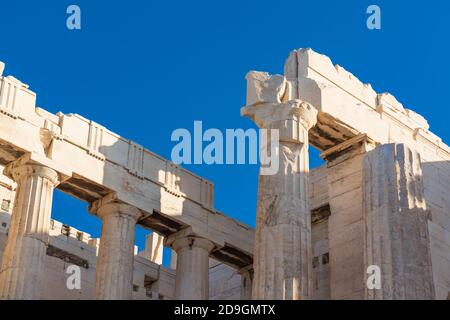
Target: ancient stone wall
<point>317,231</point>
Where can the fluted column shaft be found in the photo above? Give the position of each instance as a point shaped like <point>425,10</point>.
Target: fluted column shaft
<point>114,270</point>
<point>282,256</point>
<point>283,227</point>
<point>23,264</point>
<point>192,276</point>
<point>396,224</point>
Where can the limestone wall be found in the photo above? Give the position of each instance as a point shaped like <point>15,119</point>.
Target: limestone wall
<point>346,229</point>
<point>224,282</point>
<point>150,280</point>
<point>348,107</point>
<point>321,260</point>
<point>318,187</point>
<point>69,246</point>
<point>97,162</point>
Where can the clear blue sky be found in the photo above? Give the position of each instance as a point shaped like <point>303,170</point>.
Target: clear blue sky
<point>145,68</point>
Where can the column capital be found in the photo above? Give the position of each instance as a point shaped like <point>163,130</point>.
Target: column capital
<point>110,205</point>
<point>293,118</point>
<point>17,170</point>
<point>192,241</point>
<point>359,144</point>
<point>119,208</point>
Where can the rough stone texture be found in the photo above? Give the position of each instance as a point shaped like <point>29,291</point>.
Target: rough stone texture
<point>173,260</point>
<point>70,246</point>
<point>23,264</point>
<point>321,289</point>
<point>150,280</point>
<point>192,277</point>
<point>396,223</point>
<point>225,283</point>
<point>262,87</point>
<point>114,272</point>
<point>246,285</point>
<point>96,162</point>
<point>348,108</point>
<point>345,225</point>
<point>92,162</point>
<point>153,248</point>
<point>282,255</point>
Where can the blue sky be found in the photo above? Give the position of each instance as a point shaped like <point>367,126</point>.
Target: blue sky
<point>145,68</point>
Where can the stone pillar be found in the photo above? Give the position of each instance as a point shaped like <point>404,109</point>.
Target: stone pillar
<point>23,265</point>
<point>192,276</point>
<point>173,260</point>
<point>154,243</point>
<point>396,224</point>
<point>114,270</point>
<point>282,254</point>
<point>246,283</point>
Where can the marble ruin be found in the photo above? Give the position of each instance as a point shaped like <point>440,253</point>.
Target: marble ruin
<point>381,200</point>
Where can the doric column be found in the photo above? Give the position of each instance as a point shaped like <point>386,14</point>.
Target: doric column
<point>114,270</point>
<point>396,224</point>
<point>23,264</point>
<point>282,255</point>
<point>246,283</point>
<point>192,274</point>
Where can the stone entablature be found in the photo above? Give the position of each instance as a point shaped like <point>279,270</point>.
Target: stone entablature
<point>94,163</point>
<point>360,215</point>
<point>352,120</point>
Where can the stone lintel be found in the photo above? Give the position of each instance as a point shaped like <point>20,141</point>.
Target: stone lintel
<point>88,179</point>
<point>173,229</point>
<point>233,257</point>
<point>33,158</point>
<point>347,149</point>
<point>319,214</point>
<point>222,251</point>
<point>161,223</point>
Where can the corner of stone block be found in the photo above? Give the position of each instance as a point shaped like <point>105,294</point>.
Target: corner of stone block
<point>392,101</point>
<point>258,75</point>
